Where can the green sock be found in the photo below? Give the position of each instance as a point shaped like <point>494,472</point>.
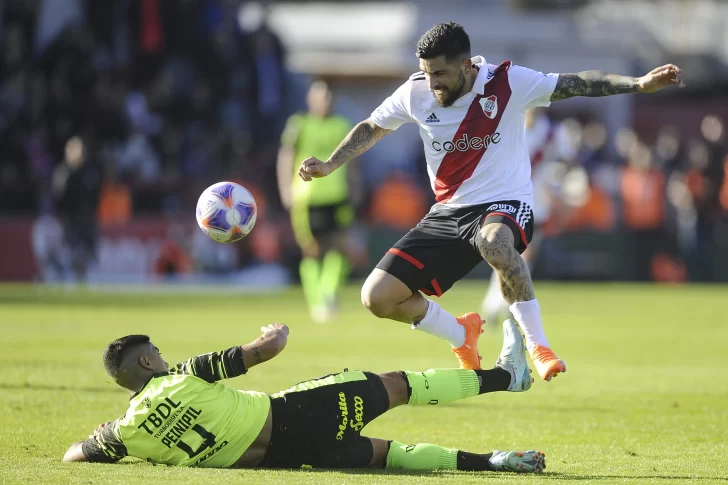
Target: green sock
<point>310,270</point>
<point>442,386</point>
<point>334,271</point>
<point>421,456</point>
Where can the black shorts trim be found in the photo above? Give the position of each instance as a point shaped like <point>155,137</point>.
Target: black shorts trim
<point>443,247</point>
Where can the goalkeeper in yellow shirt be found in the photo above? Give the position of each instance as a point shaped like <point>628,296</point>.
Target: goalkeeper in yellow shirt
<point>320,211</point>
<point>184,416</point>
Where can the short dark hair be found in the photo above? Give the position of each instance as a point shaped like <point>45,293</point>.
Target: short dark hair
<point>115,351</point>
<point>321,80</point>
<point>449,39</point>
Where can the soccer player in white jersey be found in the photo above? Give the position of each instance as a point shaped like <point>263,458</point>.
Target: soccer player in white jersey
<point>548,144</point>
<point>470,115</point>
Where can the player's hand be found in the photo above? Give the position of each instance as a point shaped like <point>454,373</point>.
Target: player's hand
<point>98,430</point>
<point>313,168</point>
<point>275,328</point>
<point>660,78</point>
<point>275,338</point>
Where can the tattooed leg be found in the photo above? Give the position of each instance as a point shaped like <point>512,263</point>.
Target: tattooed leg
<point>496,245</point>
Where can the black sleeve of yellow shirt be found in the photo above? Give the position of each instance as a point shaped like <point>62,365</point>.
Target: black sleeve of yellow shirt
<point>214,366</point>
<point>105,446</point>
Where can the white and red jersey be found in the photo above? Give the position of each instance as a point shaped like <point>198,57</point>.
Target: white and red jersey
<point>475,149</point>
<point>548,141</point>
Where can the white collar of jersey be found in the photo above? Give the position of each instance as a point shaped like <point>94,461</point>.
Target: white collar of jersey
<point>482,78</point>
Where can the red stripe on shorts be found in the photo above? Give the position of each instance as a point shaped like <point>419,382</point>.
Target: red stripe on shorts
<point>406,257</point>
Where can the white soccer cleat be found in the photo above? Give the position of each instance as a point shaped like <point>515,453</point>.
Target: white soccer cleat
<point>518,461</point>
<point>513,358</point>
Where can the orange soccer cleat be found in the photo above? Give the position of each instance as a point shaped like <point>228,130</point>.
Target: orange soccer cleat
<point>467,353</point>
<point>546,363</point>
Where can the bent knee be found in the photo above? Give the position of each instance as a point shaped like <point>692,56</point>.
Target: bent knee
<point>377,301</point>
<point>377,298</point>
<point>382,293</point>
<point>495,243</point>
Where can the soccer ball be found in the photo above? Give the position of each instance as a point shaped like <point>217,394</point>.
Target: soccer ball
<point>226,212</point>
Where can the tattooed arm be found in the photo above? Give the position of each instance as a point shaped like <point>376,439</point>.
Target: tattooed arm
<point>236,360</point>
<point>597,83</point>
<point>268,345</point>
<point>360,139</point>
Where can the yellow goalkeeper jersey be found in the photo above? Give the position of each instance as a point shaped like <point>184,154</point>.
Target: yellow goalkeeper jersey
<point>186,418</point>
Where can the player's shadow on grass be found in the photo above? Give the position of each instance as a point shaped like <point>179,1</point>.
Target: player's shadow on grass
<point>546,475</point>
<point>570,477</point>
<point>549,408</point>
<point>378,472</point>
<point>57,387</point>
<point>445,473</point>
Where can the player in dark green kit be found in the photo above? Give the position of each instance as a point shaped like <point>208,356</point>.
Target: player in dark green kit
<point>184,416</point>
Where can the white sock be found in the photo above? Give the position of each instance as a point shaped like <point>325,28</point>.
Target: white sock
<point>441,324</point>
<point>494,303</point>
<point>528,316</point>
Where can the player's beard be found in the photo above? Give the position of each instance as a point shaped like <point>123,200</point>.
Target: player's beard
<point>449,96</point>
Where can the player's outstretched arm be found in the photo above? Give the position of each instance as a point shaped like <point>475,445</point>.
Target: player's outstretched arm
<point>360,139</point>
<point>268,345</point>
<point>598,83</point>
<point>236,361</point>
<point>104,445</point>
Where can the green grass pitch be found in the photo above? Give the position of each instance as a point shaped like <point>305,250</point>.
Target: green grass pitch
<point>645,398</point>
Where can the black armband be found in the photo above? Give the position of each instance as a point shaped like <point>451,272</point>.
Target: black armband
<point>233,362</point>
<point>214,366</point>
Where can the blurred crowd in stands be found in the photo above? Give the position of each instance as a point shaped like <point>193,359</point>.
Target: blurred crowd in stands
<point>114,110</point>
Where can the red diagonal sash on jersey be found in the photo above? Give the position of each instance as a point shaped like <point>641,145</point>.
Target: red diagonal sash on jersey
<point>457,166</point>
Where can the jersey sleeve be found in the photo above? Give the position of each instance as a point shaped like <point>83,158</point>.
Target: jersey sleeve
<point>214,366</point>
<point>531,88</point>
<point>395,110</point>
<point>105,446</point>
